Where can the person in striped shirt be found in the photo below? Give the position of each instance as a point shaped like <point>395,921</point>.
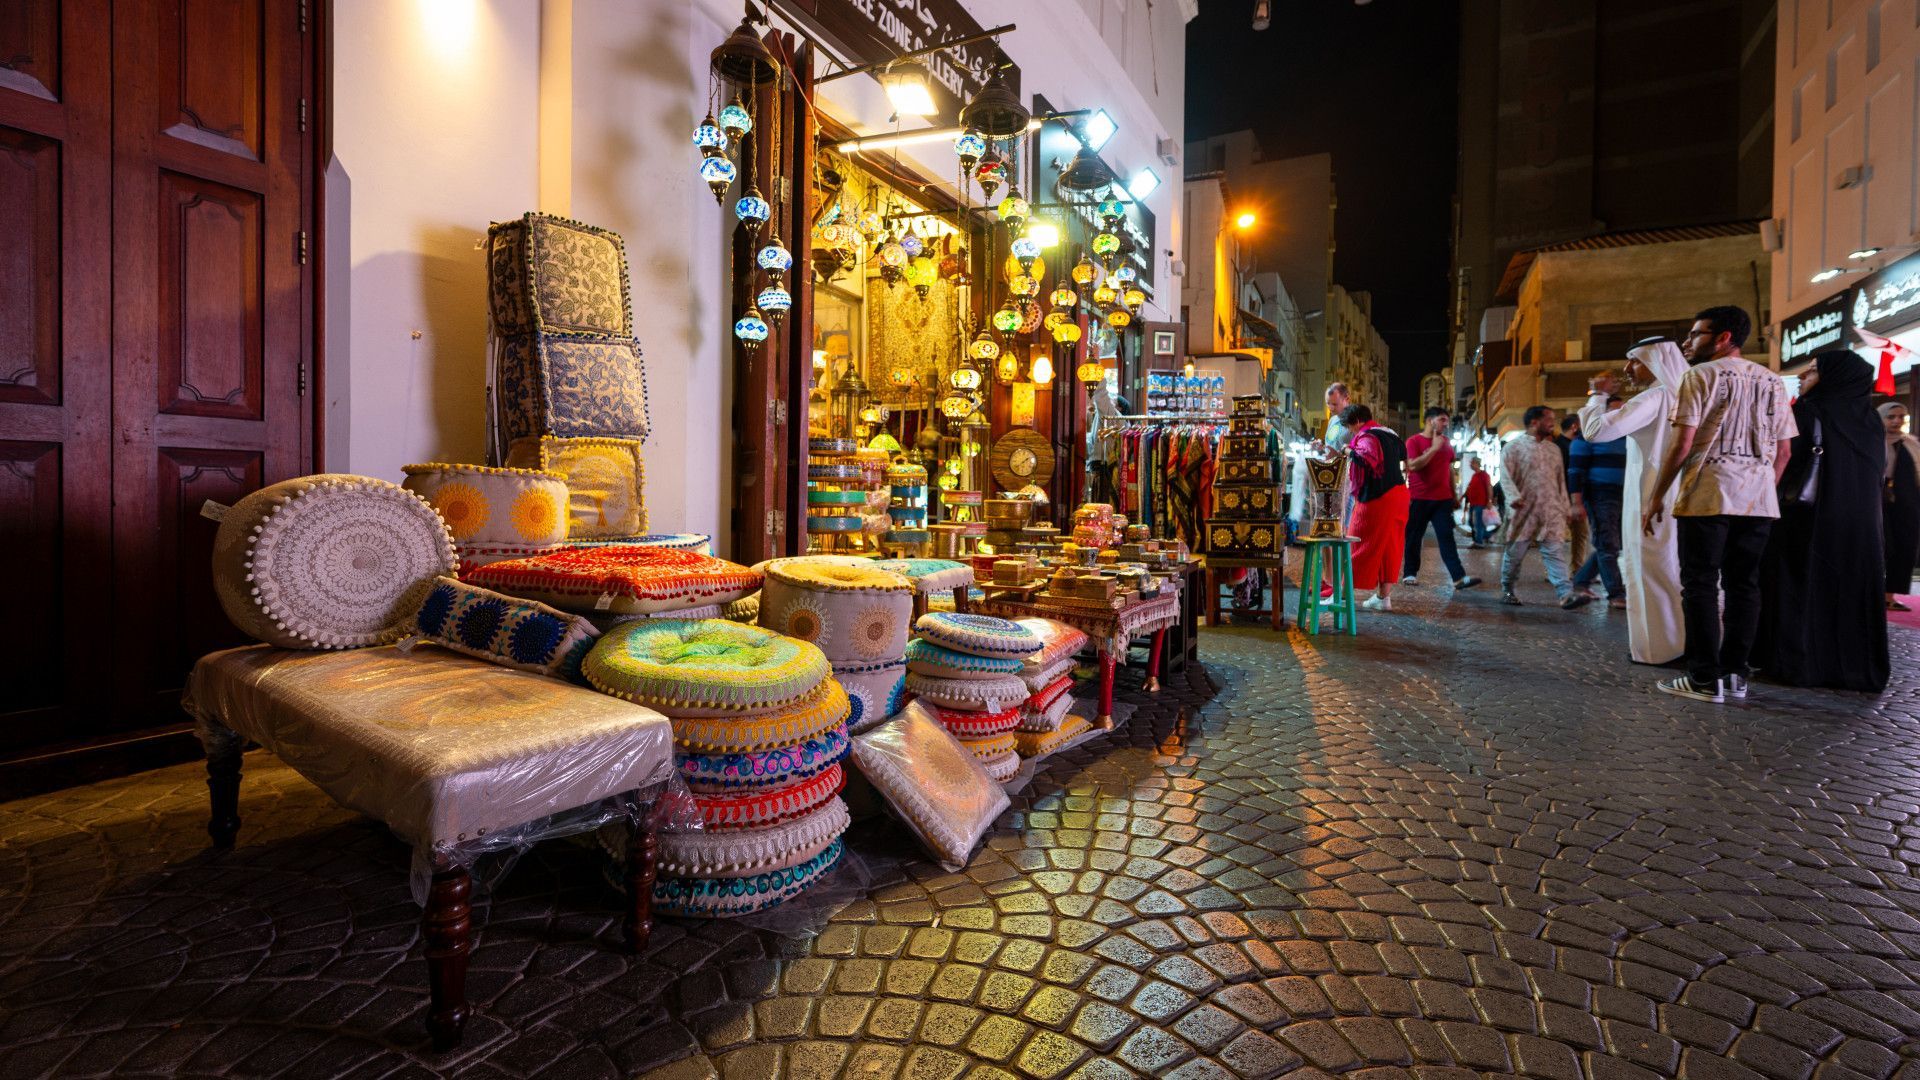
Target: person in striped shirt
<point>1597,472</point>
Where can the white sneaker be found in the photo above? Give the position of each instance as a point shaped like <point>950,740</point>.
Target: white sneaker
<point>1734,685</point>
<point>1376,602</point>
<point>1682,686</point>
<point>1409,580</point>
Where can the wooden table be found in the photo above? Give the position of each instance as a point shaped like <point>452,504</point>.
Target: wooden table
<point>1110,631</point>
<point>1276,609</point>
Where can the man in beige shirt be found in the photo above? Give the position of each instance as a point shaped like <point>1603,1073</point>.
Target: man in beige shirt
<point>1732,430</point>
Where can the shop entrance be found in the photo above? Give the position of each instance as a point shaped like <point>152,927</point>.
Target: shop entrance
<point>155,345</point>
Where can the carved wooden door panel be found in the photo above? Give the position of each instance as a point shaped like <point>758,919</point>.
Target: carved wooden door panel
<point>154,308</point>
<point>55,360</point>
<point>210,253</point>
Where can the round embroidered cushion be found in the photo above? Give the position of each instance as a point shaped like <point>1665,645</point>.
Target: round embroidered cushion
<point>982,635</point>
<point>1042,743</point>
<point>698,543</point>
<point>1038,679</point>
<point>1001,769</point>
<point>486,506</point>
<point>873,691</point>
<point>709,853</point>
<point>990,694</point>
<point>625,579</point>
<point>853,613</point>
<point>978,725</point>
<point>927,658</point>
<point>704,667</point>
<point>990,747</point>
<point>330,561</point>
<point>719,773</point>
<point>814,715</point>
<point>749,809</point>
<point>722,897</point>
<point>930,575</point>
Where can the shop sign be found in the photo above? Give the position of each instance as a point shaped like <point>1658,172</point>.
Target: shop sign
<point>1817,329</point>
<point>1890,299</point>
<point>875,31</point>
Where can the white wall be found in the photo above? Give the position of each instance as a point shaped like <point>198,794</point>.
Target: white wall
<point>1844,96</point>
<point>434,123</point>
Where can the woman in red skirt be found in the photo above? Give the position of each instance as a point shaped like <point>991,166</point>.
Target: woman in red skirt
<point>1380,504</point>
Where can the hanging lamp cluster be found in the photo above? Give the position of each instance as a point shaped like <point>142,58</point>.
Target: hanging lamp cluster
<point>742,66</point>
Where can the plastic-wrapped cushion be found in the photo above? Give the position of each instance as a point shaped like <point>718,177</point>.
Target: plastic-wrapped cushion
<point>330,561</point>
<point>1038,679</point>
<point>724,897</point>
<point>1045,717</point>
<point>990,747</point>
<point>1050,693</point>
<point>1001,769</point>
<point>932,782</point>
<point>981,635</point>
<point>488,506</point>
<point>873,691</point>
<point>742,852</point>
<point>704,667</point>
<point>929,659</point>
<point>978,725</point>
<point>750,809</point>
<point>713,774</point>
<point>854,613</point>
<point>814,715</point>
<point>1042,743</point>
<point>524,634</point>
<point>444,748</point>
<point>625,579</point>
<point>989,694</point>
<point>1058,642</point>
<point>930,575</point>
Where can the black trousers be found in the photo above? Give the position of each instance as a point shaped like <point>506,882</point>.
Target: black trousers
<point>1437,513</point>
<point>1720,552</point>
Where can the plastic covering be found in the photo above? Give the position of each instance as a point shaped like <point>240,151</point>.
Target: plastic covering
<point>459,757</point>
<point>932,782</point>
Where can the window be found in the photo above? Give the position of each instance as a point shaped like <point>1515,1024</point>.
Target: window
<point>1610,341</point>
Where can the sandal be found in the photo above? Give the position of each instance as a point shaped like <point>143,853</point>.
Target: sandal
<point>1895,605</point>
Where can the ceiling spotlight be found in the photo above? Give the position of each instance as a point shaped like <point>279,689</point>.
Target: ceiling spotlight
<point>910,88</point>
<point>1863,253</point>
<point>1828,274</point>
<point>1097,130</point>
<point>1143,183</point>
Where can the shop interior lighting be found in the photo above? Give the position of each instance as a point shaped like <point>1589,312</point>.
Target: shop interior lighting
<point>1143,183</point>
<point>1828,274</point>
<point>910,88</point>
<point>910,138</point>
<point>1262,14</point>
<point>1097,130</point>
<point>1863,253</point>
<point>1043,234</point>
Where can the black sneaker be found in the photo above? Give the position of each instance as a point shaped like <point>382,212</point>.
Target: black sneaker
<point>1684,686</point>
<point>1467,582</point>
<point>1507,597</point>
<point>1735,685</point>
<point>1575,599</point>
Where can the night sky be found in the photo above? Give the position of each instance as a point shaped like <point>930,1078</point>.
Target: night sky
<point>1375,85</point>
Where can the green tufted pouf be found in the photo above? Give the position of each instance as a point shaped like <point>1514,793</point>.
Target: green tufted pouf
<point>704,667</point>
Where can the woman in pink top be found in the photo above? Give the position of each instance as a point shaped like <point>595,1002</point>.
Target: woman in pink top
<point>1380,501</point>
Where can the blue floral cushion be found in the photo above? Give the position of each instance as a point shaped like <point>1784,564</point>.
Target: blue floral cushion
<point>981,635</point>
<point>514,633</point>
<point>927,658</point>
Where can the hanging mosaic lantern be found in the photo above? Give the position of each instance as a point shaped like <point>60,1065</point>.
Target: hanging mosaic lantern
<point>921,273</point>
<point>776,260</point>
<point>1030,315</point>
<point>983,348</point>
<point>718,172</point>
<point>709,138</point>
<point>1106,245</point>
<point>751,328</point>
<point>1090,372</point>
<point>913,244</point>
<point>1009,369</point>
<point>969,146</point>
<point>991,173</point>
<point>736,122</point>
<point>1053,319</point>
<point>1026,251</point>
<point>1007,319</point>
<point>753,212</point>
<point>1084,271</point>
<point>1014,210</point>
<point>966,378</point>
<point>893,261</point>
<point>1105,295</point>
<point>871,223</point>
<point>955,407</point>
<point>953,268</point>
<point>1023,286</point>
<point>1118,318</point>
<point>775,301</point>
<point>1134,298</point>
<point>1123,274</point>
<point>1067,333</point>
<point>1111,212</point>
<point>1064,298</point>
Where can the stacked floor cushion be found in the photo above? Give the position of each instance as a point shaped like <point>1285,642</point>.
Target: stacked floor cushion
<point>1048,675</point>
<point>967,669</point>
<point>759,728</point>
<point>857,615</point>
<point>492,512</point>
<point>625,579</point>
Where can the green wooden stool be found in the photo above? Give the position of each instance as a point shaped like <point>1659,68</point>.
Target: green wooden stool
<point>1339,556</point>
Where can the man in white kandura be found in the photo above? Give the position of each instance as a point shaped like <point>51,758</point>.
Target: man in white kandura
<point>1650,565</point>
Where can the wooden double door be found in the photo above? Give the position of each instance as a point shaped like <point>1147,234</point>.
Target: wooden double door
<point>155,337</point>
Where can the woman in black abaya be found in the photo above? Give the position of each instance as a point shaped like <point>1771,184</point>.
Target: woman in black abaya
<point>1824,619</point>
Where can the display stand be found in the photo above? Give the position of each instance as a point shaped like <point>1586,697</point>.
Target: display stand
<point>1276,591</point>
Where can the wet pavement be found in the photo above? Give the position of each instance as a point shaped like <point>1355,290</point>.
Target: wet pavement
<point>1470,840</point>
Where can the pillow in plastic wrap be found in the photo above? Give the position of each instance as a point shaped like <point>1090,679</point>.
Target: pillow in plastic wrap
<point>933,783</point>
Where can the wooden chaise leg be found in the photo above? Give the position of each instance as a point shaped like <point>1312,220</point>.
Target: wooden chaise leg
<point>643,852</point>
<point>223,791</point>
<point>448,928</point>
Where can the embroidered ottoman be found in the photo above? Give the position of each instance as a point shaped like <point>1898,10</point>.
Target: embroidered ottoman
<point>709,668</point>
<point>523,508</point>
<point>746,852</point>
<point>855,614</point>
<point>623,580</point>
<point>723,773</point>
<point>605,481</point>
<point>553,275</point>
<point>925,657</point>
<point>874,691</point>
<point>990,694</point>
<point>329,561</point>
<point>458,756</point>
<point>572,386</point>
<point>981,635</point>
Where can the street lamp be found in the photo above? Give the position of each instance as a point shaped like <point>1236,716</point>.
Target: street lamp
<point>1245,220</point>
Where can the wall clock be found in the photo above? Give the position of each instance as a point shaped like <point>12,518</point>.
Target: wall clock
<point>1020,457</point>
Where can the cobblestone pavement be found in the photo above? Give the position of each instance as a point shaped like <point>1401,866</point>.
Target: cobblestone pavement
<point>1471,840</point>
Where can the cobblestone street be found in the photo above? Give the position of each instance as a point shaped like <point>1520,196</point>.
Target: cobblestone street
<point>1470,840</point>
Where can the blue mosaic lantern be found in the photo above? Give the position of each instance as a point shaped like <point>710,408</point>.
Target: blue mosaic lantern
<point>775,301</point>
<point>735,121</point>
<point>718,172</point>
<point>1123,274</point>
<point>969,146</point>
<point>1026,250</point>
<point>753,211</point>
<point>751,329</point>
<point>776,260</point>
<point>1111,211</point>
<point>913,244</point>
<point>709,138</point>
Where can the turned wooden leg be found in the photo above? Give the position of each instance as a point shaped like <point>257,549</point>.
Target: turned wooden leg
<point>1154,659</point>
<point>223,791</point>
<point>919,604</point>
<point>643,851</point>
<point>1212,578</point>
<point>448,928</point>
<point>960,599</point>
<point>1106,687</point>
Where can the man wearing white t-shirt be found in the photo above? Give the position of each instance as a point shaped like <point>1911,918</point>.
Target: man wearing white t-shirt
<point>1732,430</point>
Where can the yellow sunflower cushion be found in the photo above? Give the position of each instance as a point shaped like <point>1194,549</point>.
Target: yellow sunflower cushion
<point>708,667</point>
<point>521,508</point>
<point>856,614</point>
<point>605,482</point>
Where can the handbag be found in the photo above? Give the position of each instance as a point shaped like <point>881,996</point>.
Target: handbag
<point>1804,490</point>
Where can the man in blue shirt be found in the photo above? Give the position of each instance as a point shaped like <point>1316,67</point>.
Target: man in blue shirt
<point>1597,471</point>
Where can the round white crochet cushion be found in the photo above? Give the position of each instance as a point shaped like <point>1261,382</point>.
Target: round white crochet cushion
<point>711,853</point>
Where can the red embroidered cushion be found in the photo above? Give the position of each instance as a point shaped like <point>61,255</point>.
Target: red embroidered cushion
<point>624,579</point>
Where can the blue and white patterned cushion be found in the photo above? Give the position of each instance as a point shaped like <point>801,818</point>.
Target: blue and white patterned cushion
<point>722,897</point>
<point>929,659</point>
<point>509,631</point>
<point>981,635</point>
